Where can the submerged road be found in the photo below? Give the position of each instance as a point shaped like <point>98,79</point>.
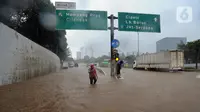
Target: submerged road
<point>69,91</point>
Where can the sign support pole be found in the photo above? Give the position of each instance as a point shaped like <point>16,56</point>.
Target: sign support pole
<point>138,37</point>
<point>112,28</point>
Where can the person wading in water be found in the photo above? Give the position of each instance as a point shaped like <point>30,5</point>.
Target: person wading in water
<point>119,67</point>
<point>92,75</point>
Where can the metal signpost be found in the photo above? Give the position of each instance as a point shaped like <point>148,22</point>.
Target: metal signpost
<point>97,20</point>
<point>115,43</point>
<point>81,20</point>
<point>112,29</point>
<point>138,37</point>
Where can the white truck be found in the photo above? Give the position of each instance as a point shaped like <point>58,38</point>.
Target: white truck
<point>166,60</point>
<point>71,64</point>
<point>65,65</point>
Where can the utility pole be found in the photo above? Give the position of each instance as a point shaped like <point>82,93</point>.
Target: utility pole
<point>138,52</point>
<point>112,28</point>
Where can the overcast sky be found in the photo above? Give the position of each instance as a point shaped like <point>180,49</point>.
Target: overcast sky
<point>99,40</point>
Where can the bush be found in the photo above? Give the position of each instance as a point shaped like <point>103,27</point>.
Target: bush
<point>190,68</point>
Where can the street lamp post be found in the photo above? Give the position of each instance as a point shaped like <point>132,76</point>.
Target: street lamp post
<point>138,52</point>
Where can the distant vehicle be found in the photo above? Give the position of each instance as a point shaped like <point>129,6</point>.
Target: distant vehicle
<point>71,64</point>
<point>65,65</point>
<point>166,60</point>
<point>76,64</point>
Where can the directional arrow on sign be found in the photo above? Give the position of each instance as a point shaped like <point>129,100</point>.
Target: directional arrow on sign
<point>115,43</point>
<point>155,19</point>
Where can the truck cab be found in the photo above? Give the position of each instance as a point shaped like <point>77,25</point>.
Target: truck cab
<point>71,64</point>
<point>134,65</point>
<point>65,65</point>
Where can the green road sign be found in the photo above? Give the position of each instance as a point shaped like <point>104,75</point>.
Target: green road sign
<point>138,22</point>
<point>104,62</point>
<point>81,20</point>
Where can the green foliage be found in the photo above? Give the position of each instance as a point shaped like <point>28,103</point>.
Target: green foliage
<point>101,59</point>
<point>130,59</point>
<point>191,51</point>
<point>25,17</point>
<point>189,68</point>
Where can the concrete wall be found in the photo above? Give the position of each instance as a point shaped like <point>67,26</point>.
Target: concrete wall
<point>22,59</point>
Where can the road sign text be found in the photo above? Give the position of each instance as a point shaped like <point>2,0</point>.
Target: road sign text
<point>138,22</point>
<point>82,20</point>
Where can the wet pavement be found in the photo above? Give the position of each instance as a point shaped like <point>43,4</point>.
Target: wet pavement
<point>69,91</point>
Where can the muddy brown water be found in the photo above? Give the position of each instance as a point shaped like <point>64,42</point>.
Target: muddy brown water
<point>69,91</point>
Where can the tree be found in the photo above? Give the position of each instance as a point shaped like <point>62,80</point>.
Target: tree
<point>101,58</point>
<point>130,59</point>
<point>191,51</point>
<point>183,47</point>
<point>194,50</point>
<point>28,17</point>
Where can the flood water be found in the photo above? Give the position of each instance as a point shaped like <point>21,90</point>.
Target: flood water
<point>69,91</point>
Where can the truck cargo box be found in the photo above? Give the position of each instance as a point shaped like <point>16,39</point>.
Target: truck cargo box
<point>171,60</point>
